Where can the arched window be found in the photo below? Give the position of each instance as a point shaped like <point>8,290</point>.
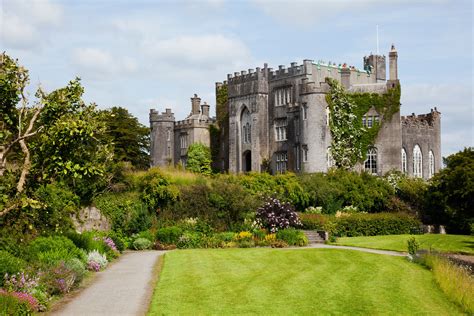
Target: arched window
<point>404,161</point>
<point>417,162</point>
<point>246,127</point>
<point>371,162</point>
<point>432,164</point>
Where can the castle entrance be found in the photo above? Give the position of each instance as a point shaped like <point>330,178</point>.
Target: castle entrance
<point>247,161</point>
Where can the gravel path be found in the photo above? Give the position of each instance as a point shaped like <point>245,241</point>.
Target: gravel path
<point>380,252</point>
<point>124,288</point>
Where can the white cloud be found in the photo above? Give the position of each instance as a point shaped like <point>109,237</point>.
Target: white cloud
<point>24,23</point>
<point>99,63</point>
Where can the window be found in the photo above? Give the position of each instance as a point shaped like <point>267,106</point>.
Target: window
<point>247,133</point>
<point>281,161</point>
<point>328,115</point>
<point>282,96</point>
<point>297,155</point>
<point>305,153</point>
<point>404,161</point>
<point>376,119</point>
<point>183,141</point>
<point>364,120</point>
<point>431,164</point>
<point>304,110</point>
<point>246,126</point>
<point>280,129</point>
<point>369,121</point>
<point>297,126</point>
<point>371,162</point>
<point>417,162</point>
<point>168,134</point>
<point>329,159</point>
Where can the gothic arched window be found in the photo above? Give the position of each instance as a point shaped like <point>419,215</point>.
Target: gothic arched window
<point>371,162</point>
<point>417,162</point>
<point>431,164</point>
<point>404,161</point>
<point>246,123</point>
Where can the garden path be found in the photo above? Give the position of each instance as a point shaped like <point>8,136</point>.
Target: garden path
<point>380,252</point>
<point>125,288</point>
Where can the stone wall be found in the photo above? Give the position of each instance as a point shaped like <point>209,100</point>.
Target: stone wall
<point>90,218</point>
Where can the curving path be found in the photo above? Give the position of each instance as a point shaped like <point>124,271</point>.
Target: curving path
<point>380,252</point>
<point>125,288</point>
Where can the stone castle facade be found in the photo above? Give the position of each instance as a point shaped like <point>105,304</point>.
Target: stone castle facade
<point>279,120</point>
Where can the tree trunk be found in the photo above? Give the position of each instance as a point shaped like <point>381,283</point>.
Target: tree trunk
<point>26,167</point>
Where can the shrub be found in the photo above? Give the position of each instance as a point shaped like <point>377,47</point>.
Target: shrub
<point>274,215</point>
<point>156,191</point>
<point>51,250</point>
<point>225,236</point>
<point>141,244</point>
<point>190,240</point>
<point>292,237</point>
<point>376,224</point>
<point>243,236</point>
<point>313,210</point>
<point>15,303</point>
<point>96,261</point>
<point>58,279</point>
<point>169,235</point>
<point>278,244</point>
<point>118,240</point>
<point>314,221</point>
<point>20,282</point>
<point>413,246</point>
<point>9,264</point>
<point>76,266</point>
<point>244,243</point>
<point>159,246</point>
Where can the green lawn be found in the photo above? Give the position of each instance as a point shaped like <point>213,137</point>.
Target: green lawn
<point>444,243</point>
<point>294,282</point>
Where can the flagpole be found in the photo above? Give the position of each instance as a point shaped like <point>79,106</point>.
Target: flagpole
<point>377,39</point>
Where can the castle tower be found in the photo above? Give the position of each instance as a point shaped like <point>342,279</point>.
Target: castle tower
<point>162,138</point>
<point>195,105</point>
<point>393,64</point>
<point>376,65</point>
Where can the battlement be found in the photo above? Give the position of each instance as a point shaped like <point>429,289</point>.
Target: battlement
<point>192,123</point>
<point>166,116</point>
<point>246,76</point>
<point>428,120</point>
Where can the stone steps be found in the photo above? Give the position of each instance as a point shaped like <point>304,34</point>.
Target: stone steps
<point>313,237</point>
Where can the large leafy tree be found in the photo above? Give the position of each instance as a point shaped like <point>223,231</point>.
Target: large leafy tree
<point>55,138</point>
<point>451,194</point>
<point>199,159</point>
<point>130,138</point>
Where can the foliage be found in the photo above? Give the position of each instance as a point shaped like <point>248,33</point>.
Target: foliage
<point>18,304</point>
<point>141,244</point>
<point>58,279</point>
<point>169,235</point>
<point>292,237</point>
<point>274,215</point>
<point>413,192</point>
<point>9,264</point>
<point>199,159</point>
<point>412,246</point>
<point>78,267</point>
<point>456,282</point>
<point>451,195</point>
<point>376,224</point>
<point>156,190</point>
<point>51,250</point>
<point>131,139</point>
<point>190,240</point>
<point>96,261</point>
<point>350,139</point>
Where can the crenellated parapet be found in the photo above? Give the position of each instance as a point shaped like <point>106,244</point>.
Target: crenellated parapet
<point>245,83</point>
<point>156,116</point>
<point>308,87</point>
<point>427,121</point>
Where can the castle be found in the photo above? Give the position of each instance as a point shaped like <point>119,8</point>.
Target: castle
<point>278,120</point>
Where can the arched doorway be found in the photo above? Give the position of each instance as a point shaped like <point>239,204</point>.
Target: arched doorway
<point>247,161</point>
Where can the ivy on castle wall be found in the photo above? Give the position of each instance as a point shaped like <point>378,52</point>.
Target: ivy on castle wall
<point>350,139</point>
<point>222,117</point>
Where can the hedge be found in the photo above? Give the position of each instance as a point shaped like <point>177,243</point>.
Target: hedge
<point>363,224</point>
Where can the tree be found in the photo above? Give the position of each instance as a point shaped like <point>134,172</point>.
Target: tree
<point>451,194</point>
<point>130,138</point>
<point>199,159</point>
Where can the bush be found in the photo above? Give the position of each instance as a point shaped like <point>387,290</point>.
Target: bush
<point>412,246</point>
<point>376,224</point>
<point>278,244</point>
<point>292,237</point>
<point>315,221</point>
<point>274,215</point>
<point>190,240</point>
<point>9,264</point>
<point>96,261</point>
<point>18,304</point>
<point>58,279</point>
<point>156,191</point>
<point>169,235</point>
<point>159,246</point>
<point>51,250</point>
<point>141,244</point>
<point>119,240</point>
<point>79,269</point>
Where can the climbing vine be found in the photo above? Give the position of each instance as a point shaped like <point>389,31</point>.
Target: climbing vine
<point>350,139</point>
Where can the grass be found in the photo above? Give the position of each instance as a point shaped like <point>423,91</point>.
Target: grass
<point>295,281</point>
<point>442,243</point>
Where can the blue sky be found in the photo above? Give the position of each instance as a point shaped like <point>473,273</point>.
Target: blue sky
<point>156,54</point>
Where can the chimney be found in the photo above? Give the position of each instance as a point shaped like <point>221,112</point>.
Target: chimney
<point>346,77</point>
<point>205,109</point>
<point>393,60</point>
<point>196,104</point>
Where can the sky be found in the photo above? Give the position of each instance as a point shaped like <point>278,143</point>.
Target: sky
<point>147,54</point>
